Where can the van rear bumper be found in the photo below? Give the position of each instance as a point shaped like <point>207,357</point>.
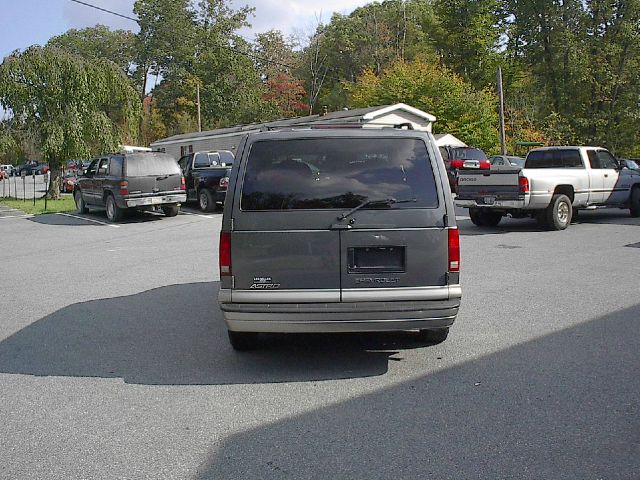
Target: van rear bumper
<point>340,317</point>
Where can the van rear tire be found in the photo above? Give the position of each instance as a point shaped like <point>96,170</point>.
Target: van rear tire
<point>243,341</point>
<point>435,335</point>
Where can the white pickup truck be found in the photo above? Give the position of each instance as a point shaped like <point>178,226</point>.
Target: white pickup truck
<point>553,185</point>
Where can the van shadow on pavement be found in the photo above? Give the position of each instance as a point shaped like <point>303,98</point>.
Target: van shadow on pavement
<point>175,335</point>
<point>563,406</point>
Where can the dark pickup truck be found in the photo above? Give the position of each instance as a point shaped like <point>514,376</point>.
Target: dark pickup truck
<point>207,177</point>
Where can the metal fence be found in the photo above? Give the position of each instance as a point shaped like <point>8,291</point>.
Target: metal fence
<point>24,188</point>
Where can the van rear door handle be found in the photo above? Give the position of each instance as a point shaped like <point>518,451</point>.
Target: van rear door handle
<point>340,226</point>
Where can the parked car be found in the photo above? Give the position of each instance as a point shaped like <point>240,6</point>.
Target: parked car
<point>41,168</point>
<point>459,158</point>
<point>630,164</point>
<point>7,169</point>
<point>207,176</point>
<point>141,180</point>
<point>27,168</point>
<point>68,182</point>
<point>554,183</point>
<point>338,230</point>
<point>506,162</point>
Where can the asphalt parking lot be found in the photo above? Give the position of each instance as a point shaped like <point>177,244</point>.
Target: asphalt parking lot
<point>114,363</point>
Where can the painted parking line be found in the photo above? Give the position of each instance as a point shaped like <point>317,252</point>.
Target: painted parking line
<point>2,217</point>
<point>462,217</point>
<point>89,220</point>
<point>197,214</point>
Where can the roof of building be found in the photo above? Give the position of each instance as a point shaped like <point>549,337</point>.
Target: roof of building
<point>359,115</point>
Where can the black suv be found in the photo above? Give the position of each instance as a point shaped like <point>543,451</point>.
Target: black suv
<point>141,180</point>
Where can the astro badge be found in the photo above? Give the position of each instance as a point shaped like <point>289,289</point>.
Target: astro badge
<point>264,283</point>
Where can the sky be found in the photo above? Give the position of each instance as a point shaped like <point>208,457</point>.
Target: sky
<point>28,22</point>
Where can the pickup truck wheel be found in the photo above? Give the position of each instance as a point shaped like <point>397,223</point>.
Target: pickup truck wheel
<point>114,213</point>
<point>436,335</point>
<point>476,217</point>
<point>491,219</point>
<point>80,205</point>
<point>557,216</point>
<point>206,201</point>
<point>171,210</point>
<point>634,207</point>
<point>243,341</point>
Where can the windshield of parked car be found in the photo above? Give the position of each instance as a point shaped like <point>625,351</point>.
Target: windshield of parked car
<point>516,161</point>
<point>564,158</point>
<point>338,173</point>
<point>146,164</point>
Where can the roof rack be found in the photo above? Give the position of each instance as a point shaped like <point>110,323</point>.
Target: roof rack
<point>327,126</point>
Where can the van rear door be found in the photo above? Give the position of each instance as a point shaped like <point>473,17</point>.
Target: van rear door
<point>397,246</point>
<point>334,218</point>
<point>283,247</point>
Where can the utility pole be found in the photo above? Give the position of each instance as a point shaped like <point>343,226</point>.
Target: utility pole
<point>503,141</point>
<point>198,101</point>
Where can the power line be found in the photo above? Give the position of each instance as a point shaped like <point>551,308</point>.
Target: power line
<point>105,10</point>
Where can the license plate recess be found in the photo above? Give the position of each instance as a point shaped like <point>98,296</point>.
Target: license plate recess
<point>376,259</point>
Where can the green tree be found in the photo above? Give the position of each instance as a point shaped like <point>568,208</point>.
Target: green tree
<point>371,37</point>
<point>165,40</point>
<point>461,110</point>
<point>10,148</point>
<point>469,36</point>
<point>76,108</point>
<point>99,42</point>
<point>274,55</point>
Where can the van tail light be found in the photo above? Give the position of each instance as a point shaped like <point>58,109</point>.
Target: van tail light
<point>225,254</point>
<point>183,185</point>
<point>454,249</point>
<point>457,163</point>
<point>485,164</point>
<point>224,182</point>
<point>124,187</point>
<point>524,184</point>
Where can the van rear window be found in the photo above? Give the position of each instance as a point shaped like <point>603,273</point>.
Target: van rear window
<point>564,158</point>
<point>338,173</point>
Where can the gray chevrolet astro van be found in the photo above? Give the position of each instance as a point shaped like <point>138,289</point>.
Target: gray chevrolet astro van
<point>338,230</point>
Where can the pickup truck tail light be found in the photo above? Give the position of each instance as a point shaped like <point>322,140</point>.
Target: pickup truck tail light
<point>524,185</point>
<point>481,164</point>
<point>124,187</point>
<point>183,185</point>
<point>454,249</point>
<point>224,182</point>
<point>225,254</point>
